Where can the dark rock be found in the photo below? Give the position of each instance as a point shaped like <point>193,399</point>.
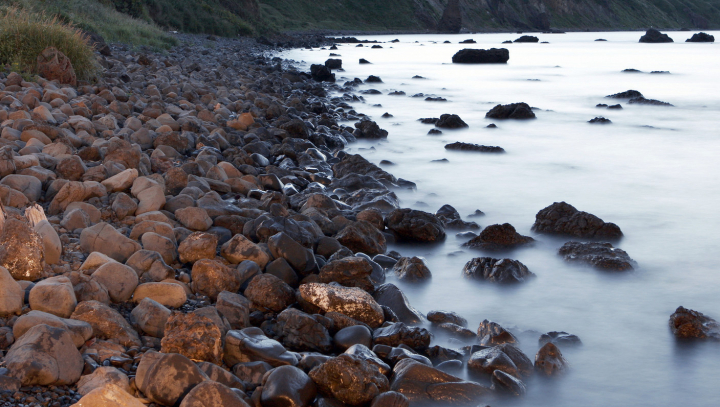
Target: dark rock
<point>481,56</point>
<point>333,63</point>
<point>414,225</point>
<point>288,386</point>
<point>349,272</point>
<point>353,335</point>
<point>441,317</point>
<point>373,79</point>
<point>412,269</point>
<point>506,383</point>
<point>468,41</point>
<point>251,345</point>
<point>301,332</point>
<point>270,292</point>
<point>392,297</point>
<point>459,146</point>
<point>654,36</point>
<point>368,129</point>
<point>321,73</point>
<point>617,106</point>
<point>497,270</point>
<point>399,333</point>
<point>559,338</point>
<point>701,37</point>
<point>688,324</point>
<point>371,356</point>
<point>167,378</point>
<point>364,61</point>
<point>362,237</point>
<point>450,121</point>
<point>511,111</point>
<point>602,256</point>
<point>561,218</point>
<point>628,94</point>
<point>391,398</point>
<point>299,257</point>
<point>631,70</point>
<point>435,99</point>
<point>251,373</point>
<point>600,120</point>
<point>549,361</point>
<point>439,354</point>
<point>425,384</point>
<point>491,333</point>
<point>499,237</point>
<point>506,358</point>
<point>527,38</point>
<point>642,101</point>
<point>457,331</point>
<point>349,379</point>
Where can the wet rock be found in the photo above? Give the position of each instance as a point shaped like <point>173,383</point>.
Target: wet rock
<point>301,332</point>
<point>654,36</point>
<point>251,345</point>
<point>349,379</point>
<point>391,398</point>
<point>481,56</point>
<point>701,37</point>
<point>497,270</point>
<point>399,333</point>
<point>450,121</point>
<point>363,237</point>
<point>349,272</point>
<point>193,336</point>
<point>54,295</point>
<point>269,292</point>
<point>391,296</point>
<point>600,120</point>
<point>561,218</point>
<point>353,335</point>
<point>688,324</point>
<point>458,146</point>
<point>167,378</point>
<point>527,38</point>
<point>506,358</point>
<point>105,239</point>
<point>425,384</point>
<point>368,129</point>
<point>106,323</point>
<point>441,317</point>
<point>211,277</point>
<point>300,258</point>
<point>628,94</point>
<point>353,302</point>
<point>506,383</point>
<point>44,355</point>
<point>414,225</point>
<point>549,361</point>
<point>21,251</point>
<point>412,269</point>
<point>602,256</point>
<point>511,111</point>
<point>559,338</point>
<point>220,375</point>
<point>491,334</point>
<point>499,237</point>
<point>288,386</point>
<point>321,73</point>
<point>235,308</point>
<point>150,317</point>
<point>212,394</point>
<point>333,63</point>
<point>11,294</point>
<point>198,246</point>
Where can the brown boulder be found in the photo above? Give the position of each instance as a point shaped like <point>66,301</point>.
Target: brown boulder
<point>349,379</point>
<point>53,65</point>
<point>21,251</point>
<point>194,336</point>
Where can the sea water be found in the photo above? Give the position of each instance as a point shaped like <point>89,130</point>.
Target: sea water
<point>654,171</point>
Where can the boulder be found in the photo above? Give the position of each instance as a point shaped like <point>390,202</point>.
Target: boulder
<point>701,37</point>
<point>198,246</point>
<point>491,334</point>
<point>105,239</point>
<point>251,345</point>
<point>268,291</point>
<point>79,331</point>
<point>240,248</point>
<point>11,294</point>
<point>549,361</point>
<point>497,270</point>
<point>333,63</point>
<point>506,358</point>
<point>414,225</point>
<point>119,280</point>
<point>561,218</point>
<point>450,121</point>
<point>688,324</point>
<point>21,251</point>
<point>400,334</point>
<point>460,146</point>
<point>353,335</point>
<point>353,302</point>
<point>108,395</point>
<point>150,317</point>
<point>210,277</point>
<point>349,379</point>
<point>602,256</point>
<point>363,237</point>
<point>412,269</point>
<point>425,384</point>
<point>235,308</point>
<point>527,38</point>
<point>194,218</point>
<point>654,36</point>
<point>30,186</point>
<point>220,375</point>
<point>212,394</point>
<point>101,377</point>
<point>349,272</point>
<point>508,384</point>
<point>442,317</point>
<point>511,111</point>
<point>54,295</point>
<point>628,94</point>
<point>168,294</point>
<point>166,378</point>
<point>52,246</point>
<point>44,356</point>
<point>559,338</point>
<point>107,323</point>
<point>321,73</point>
<point>193,336</point>
<point>288,386</point>
<point>389,295</point>
<point>301,332</point>
<point>53,65</point>
<point>368,129</point>
<point>121,181</point>
<point>481,56</point>
<point>300,258</point>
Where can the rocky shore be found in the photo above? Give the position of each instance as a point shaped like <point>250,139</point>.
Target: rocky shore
<point>189,231</point>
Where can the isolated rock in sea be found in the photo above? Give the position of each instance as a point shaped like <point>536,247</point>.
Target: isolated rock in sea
<point>549,361</point>
<point>688,324</point>
<point>450,121</point>
<point>499,237</point>
<point>561,218</point>
<point>497,270</point>
<point>481,56</point>
<point>527,38</point>
<point>654,36</point>
<point>412,269</point>
<point>459,146</point>
<point>701,37</point>
<point>599,255</point>
<point>491,333</point>
<point>321,73</point>
<point>559,338</point>
<point>512,111</point>
<point>600,120</point>
<point>333,63</point>
<point>506,358</point>
<point>368,129</point>
<point>652,102</point>
<point>414,225</point>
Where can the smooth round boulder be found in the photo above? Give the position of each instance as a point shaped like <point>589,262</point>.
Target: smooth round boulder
<point>54,295</point>
<point>150,316</point>
<point>353,335</point>
<point>349,379</point>
<point>211,277</point>
<point>166,378</point>
<point>11,294</point>
<point>168,294</point>
<point>119,280</point>
<point>212,394</point>
<point>198,246</point>
<point>268,291</point>
<point>288,386</point>
<point>194,218</point>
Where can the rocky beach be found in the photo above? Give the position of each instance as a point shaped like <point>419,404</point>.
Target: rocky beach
<point>189,230</point>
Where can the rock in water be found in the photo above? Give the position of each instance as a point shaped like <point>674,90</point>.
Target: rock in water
<point>414,225</point>
<point>549,361</point>
<point>349,379</point>
<point>561,218</point>
<point>481,56</point>
<point>499,237</point>
<point>628,94</point>
<point>527,38</point>
<point>459,146</point>
<point>511,111</point>
<point>333,63</point>
<point>424,384</point>
<point>642,101</point>
<point>21,251</point>
<point>497,270</point>
<point>599,255</point>
<point>451,20</point>
<point>450,121</point>
<point>491,333</point>
<point>53,65</point>
<point>654,36</point>
<point>688,324</point>
<point>412,269</point>
<point>701,37</point>
<point>321,73</point>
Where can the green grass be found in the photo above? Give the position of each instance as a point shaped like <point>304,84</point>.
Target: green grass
<point>24,35</point>
<point>91,15</point>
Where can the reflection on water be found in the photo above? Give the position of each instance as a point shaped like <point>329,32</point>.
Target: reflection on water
<point>654,171</point>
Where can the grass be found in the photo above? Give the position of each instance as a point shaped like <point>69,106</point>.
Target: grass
<point>24,35</point>
<point>92,15</point>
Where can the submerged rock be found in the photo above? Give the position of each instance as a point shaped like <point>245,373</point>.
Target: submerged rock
<point>642,101</point>
<point>600,120</point>
<point>497,270</point>
<point>599,255</point>
<point>559,338</point>
<point>561,218</point>
<point>450,121</point>
<point>628,94</point>
<point>688,324</point>
<point>511,111</point>
<point>459,146</point>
